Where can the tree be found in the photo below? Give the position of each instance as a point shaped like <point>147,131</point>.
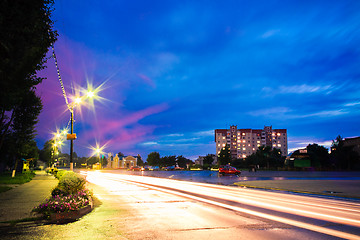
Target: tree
<point>167,161</point>
<point>26,35</point>
<point>92,160</point>
<point>104,161</point>
<point>344,157</point>
<point>183,162</point>
<point>23,125</point>
<point>153,159</point>
<point>224,156</point>
<point>319,156</point>
<point>46,154</point>
<point>207,161</point>
<point>140,162</point>
<point>120,154</point>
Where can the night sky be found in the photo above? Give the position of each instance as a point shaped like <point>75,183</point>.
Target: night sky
<point>173,71</point>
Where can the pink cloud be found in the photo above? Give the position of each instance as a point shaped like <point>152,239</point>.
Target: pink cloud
<point>123,131</point>
<point>147,80</point>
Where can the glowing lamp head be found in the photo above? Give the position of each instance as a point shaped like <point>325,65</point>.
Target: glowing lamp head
<point>77,100</point>
<point>58,135</point>
<point>90,94</point>
<point>98,150</point>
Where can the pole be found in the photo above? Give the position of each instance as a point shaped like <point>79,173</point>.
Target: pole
<point>71,140</point>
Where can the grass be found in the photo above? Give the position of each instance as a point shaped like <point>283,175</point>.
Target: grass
<point>20,178</point>
<point>4,188</point>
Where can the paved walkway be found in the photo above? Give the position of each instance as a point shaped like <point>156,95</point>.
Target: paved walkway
<point>18,202</point>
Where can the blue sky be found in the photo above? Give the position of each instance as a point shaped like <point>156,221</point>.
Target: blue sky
<point>173,71</point>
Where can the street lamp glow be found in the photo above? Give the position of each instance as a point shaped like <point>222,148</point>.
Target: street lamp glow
<point>98,151</point>
<point>90,94</point>
<point>78,100</point>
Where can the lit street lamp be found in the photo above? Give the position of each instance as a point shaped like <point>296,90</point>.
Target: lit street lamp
<point>72,135</point>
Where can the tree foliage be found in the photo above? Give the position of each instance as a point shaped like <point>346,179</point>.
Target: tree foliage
<point>319,156</point>
<point>266,157</point>
<point>140,162</point>
<point>153,159</point>
<point>224,156</point>
<point>344,157</point>
<point>26,35</point>
<point>47,153</point>
<point>183,162</point>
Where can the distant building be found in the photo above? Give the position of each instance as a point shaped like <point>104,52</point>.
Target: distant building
<point>122,161</point>
<point>200,159</point>
<point>244,142</point>
<point>353,142</point>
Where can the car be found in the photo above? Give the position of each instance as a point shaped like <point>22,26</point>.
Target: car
<point>228,170</point>
<point>135,168</point>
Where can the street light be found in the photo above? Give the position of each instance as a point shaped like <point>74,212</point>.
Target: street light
<point>98,151</point>
<point>72,136</point>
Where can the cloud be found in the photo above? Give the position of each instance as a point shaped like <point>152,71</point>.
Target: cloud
<point>298,89</point>
<point>296,143</point>
<point>330,113</point>
<point>149,143</point>
<point>270,111</point>
<point>175,135</point>
<point>147,80</point>
<point>270,33</point>
<point>205,133</point>
<point>352,104</point>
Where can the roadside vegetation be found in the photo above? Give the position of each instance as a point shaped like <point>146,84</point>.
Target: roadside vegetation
<point>69,195</point>
<point>6,179</point>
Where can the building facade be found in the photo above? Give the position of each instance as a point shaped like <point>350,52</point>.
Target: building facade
<point>244,142</point>
<point>121,162</point>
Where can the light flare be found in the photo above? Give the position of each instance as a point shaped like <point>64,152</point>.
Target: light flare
<point>323,209</point>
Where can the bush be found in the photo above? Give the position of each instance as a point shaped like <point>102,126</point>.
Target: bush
<point>71,183</point>
<point>58,192</point>
<point>65,203</point>
<point>60,173</point>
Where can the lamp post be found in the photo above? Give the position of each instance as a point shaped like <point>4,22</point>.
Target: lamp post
<point>72,138</point>
<point>72,135</point>
<point>98,151</point>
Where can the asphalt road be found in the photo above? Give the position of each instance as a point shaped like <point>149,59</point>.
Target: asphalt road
<point>171,209</point>
<point>136,207</point>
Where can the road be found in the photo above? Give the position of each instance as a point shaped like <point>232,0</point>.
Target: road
<point>172,209</point>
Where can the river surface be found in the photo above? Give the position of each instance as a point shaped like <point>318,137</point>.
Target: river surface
<point>207,176</point>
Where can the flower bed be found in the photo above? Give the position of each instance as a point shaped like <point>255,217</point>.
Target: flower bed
<point>71,215</point>
<point>70,200</point>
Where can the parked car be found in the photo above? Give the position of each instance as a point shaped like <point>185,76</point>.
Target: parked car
<point>228,170</point>
<point>154,168</point>
<point>135,168</point>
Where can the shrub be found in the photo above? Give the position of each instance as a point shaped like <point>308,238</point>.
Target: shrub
<point>71,183</point>
<point>65,203</point>
<point>60,173</point>
<point>58,192</point>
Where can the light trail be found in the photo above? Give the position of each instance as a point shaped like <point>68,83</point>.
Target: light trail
<point>336,211</point>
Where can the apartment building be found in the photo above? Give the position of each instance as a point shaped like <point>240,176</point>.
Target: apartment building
<point>244,142</point>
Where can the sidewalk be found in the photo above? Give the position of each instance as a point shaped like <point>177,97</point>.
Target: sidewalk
<point>18,202</point>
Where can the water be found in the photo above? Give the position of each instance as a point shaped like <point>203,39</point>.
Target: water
<point>208,176</point>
